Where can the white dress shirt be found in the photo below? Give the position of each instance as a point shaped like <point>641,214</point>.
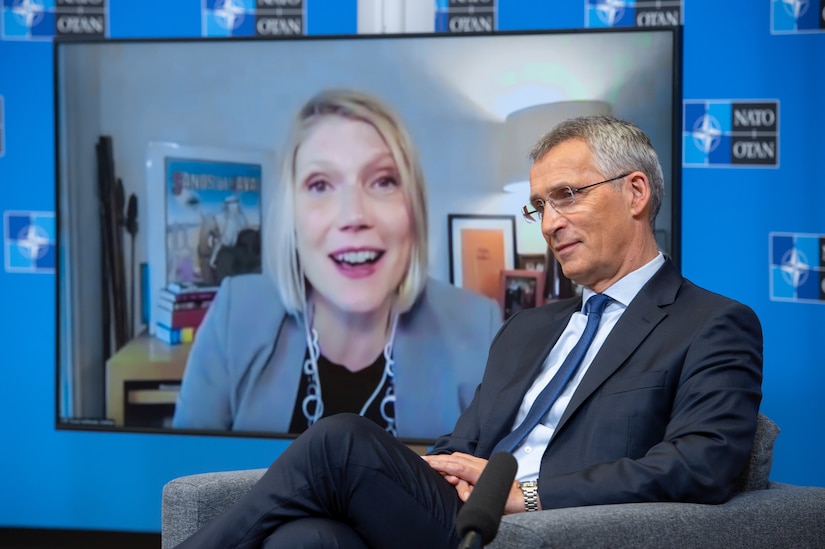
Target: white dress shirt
<point>529,453</point>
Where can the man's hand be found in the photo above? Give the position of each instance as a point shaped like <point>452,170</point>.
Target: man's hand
<point>463,471</point>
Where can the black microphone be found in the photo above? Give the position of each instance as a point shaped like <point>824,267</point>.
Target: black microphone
<point>478,520</point>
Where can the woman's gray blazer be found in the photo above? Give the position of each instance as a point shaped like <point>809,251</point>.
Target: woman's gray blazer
<point>244,367</point>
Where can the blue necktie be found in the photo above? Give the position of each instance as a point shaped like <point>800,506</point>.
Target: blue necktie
<point>593,309</point>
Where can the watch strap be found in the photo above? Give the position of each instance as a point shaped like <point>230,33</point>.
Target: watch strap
<point>530,490</point>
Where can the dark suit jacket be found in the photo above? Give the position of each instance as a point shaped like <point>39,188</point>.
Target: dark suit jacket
<point>666,412</point>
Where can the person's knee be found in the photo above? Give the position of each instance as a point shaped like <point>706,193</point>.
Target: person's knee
<point>314,533</point>
<point>339,438</point>
<point>344,424</point>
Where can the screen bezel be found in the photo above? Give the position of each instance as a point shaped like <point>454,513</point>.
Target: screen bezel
<point>675,197</point>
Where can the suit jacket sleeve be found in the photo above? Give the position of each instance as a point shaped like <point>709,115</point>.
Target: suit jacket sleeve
<point>203,402</point>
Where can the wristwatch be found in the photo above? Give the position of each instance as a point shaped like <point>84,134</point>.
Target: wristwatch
<point>530,489</point>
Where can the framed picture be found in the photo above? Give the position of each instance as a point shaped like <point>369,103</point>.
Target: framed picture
<point>556,285</point>
<point>520,289</point>
<point>481,246</point>
<point>531,262</point>
<point>204,215</point>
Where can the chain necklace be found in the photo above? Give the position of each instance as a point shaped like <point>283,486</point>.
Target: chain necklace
<point>313,404</point>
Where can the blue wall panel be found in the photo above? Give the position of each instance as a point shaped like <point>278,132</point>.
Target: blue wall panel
<point>155,18</point>
<point>92,480</point>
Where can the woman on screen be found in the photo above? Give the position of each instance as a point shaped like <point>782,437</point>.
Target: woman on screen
<point>346,319</point>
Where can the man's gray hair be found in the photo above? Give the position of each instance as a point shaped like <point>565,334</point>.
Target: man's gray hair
<point>618,147</point>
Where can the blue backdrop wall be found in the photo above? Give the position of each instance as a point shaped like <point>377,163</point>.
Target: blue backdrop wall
<point>753,228</point>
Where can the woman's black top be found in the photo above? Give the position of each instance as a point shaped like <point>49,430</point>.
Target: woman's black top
<point>344,391</point>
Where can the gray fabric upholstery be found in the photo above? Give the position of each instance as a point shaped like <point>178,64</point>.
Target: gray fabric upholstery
<point>192,501</point>
<point>780,516</point>
<point>765,514</point>
<point>758,469</point>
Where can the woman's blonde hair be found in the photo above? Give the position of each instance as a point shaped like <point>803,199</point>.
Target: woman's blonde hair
<point>281,252</point>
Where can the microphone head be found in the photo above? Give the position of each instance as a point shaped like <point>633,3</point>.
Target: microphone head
<point>482,511</point>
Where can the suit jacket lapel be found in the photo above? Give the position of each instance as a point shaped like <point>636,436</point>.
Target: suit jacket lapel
<point>641,316</point>
<point>528,363</point>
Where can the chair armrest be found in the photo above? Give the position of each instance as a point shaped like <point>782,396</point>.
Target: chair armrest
<point>192,501</point>
<point>782,516</point>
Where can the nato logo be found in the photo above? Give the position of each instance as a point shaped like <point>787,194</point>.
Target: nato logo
<point>252,17</point>
<point>30,242</point>
<point>797,16</point>
<point>797,267</point>
<point>630,13</point>
<point>29,19</point>
<point>457,16</point>
<point>228,18</point>
<point>81,17</point>
<point>730,133</point>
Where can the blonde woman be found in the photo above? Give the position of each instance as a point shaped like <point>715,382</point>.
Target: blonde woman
<point>346,320</point>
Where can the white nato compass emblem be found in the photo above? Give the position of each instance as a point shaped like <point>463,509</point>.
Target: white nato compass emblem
<point>707,133</point>
<point>28,12</point>
<point>33,242</point>
<point>795,267</point>
<point>796,8</point>
<point>229,13</point>
<point>610,11</point>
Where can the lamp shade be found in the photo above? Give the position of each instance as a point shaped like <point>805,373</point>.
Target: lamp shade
<point>524,127</point>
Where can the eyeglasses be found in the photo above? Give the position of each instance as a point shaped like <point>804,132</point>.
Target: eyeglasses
<point>561,199</point>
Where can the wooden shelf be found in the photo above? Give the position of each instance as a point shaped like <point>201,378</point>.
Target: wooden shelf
<point>144,359</point>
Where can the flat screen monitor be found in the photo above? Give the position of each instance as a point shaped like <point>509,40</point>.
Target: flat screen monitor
<point>223,269</point>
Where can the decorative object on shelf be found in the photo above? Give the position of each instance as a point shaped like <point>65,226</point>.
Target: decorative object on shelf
<point>556,285</point>
<point>520,289</point>
<point>531,262</point>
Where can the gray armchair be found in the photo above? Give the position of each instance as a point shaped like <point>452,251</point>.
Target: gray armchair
<point>763,514</point>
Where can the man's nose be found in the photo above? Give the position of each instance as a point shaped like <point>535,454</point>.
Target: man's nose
<point>551,220</point>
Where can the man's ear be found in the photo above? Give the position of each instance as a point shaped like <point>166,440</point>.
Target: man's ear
<point>640,193</point>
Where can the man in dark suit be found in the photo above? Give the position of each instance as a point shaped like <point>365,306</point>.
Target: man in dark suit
<point>662,405</point>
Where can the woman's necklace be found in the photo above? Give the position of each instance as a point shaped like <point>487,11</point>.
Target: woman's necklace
<point>313,403</point>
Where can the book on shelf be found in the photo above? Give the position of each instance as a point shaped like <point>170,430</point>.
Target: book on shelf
<point>174,336</point>
<point>183,305</point>
<point>184,318</point>
<point>189,288</point>
<point>200,295</point>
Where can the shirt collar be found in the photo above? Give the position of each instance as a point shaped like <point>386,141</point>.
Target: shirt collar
<point>625,289</point>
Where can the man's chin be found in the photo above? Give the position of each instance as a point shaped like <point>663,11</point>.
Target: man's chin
<point>568,270</point>
<point>573,274</point>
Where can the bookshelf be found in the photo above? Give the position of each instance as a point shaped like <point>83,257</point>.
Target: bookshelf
<point>142,382</point>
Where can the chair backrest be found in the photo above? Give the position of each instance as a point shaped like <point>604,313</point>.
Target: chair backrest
<point>758,469</point>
